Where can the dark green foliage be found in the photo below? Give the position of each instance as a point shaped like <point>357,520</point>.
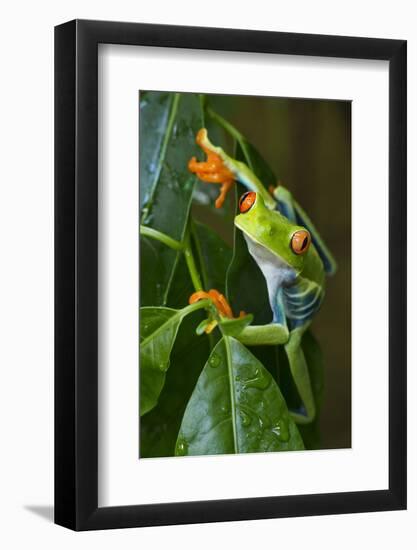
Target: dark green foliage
<point>168,125</point>
<point>159,428</point>
<point>204,394</point>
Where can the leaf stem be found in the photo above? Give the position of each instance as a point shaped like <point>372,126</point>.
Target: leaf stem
<point>179,314</point>
<point>184,247</point>
<point>243,144</point>
<point>201,304</point>
<point>226,125</point>
<point>197,248</point>
<point>232,391</point>
<point>161,237</point>
<point>189,258</point>
<point>233,132</point>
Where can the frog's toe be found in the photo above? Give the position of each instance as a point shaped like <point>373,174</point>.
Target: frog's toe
<point>213,169</point>
<point>218,299</point>
<point>201,168</point>
<point>225,188</point>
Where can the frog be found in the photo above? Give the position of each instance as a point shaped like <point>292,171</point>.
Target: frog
<point>289,252</point>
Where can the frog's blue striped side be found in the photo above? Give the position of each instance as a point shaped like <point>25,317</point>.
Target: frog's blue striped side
<point>302,300</point>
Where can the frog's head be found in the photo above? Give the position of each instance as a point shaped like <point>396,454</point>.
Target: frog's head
<point>272,230</point>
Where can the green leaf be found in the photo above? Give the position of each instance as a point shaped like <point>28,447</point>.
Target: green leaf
<point>236,407</point>
<point>181,286</point>
<point>168,126</point>
<point>269,356</point>
<point>155,111</point>
<point>159,427</point>
<point>233,327</point>
<point>213,256</point>
<point>158,329</point>
<point>150,292</point>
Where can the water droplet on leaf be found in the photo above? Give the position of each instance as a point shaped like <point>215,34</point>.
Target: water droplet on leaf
<point>163,366</point>
<point>281,430</point>
<point>260,380</point>
<point>264,422</point>
<point>246,419</point>
<point>182,447</point>
<point>214,361</point>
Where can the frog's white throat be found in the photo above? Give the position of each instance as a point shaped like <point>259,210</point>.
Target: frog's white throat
<point>276,272</point>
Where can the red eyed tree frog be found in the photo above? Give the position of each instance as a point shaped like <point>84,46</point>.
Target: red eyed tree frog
<point>287,249</point>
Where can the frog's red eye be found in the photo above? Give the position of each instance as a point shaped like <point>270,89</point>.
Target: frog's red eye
<point>300,241</point>
<point>247,200</point>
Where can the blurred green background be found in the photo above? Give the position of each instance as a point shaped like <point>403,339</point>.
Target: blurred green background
<point>307,143</point>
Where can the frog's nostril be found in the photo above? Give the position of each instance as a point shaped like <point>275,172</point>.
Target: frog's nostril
<point>300,241</point>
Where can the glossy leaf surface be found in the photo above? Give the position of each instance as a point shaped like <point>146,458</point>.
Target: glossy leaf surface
<point>168,126</point>
<point>151,292</point>
<point>158,329</point>
<point>233,327</point>
<point>236,407</point>
<point>213,255</point>
<point>159,427</point>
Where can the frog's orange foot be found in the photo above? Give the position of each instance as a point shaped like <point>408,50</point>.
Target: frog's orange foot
<point>213,170</point>
<point>219,301</point>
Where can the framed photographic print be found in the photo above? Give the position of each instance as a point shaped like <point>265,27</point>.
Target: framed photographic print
<point>230,274</point>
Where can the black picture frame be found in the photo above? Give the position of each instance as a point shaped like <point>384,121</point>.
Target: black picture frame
<point>76,272</point>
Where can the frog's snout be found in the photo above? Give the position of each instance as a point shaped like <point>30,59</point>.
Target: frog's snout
<point>300,241</point>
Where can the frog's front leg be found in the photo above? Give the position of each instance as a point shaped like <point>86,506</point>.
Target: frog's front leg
<point>213,170</point>
<point>224,170</point>
<point>276,333</point>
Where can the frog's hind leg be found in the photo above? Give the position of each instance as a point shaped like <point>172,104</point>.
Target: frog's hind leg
<point>300,374</point>
<point>285,203</point>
